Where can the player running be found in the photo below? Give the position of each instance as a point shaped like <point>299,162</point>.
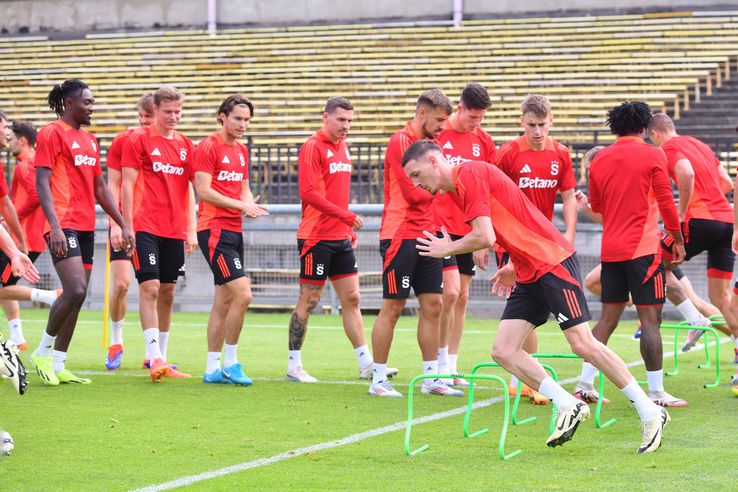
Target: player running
<point>120,262</point>
<point>31,220</point>
<point>462,139</point>
<point>407,213</point>
<point>164,222</point>
<point>547,281</point>
<point>69,180</point>
<point>222,183</point>
<point>629,185</point>
<point>704,212</point>
<point>541,167</point>
<point>325,236</point>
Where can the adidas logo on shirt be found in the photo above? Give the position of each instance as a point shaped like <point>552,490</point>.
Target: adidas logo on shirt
<point>561,318</point>
<point>156,151</point>
<point>328,154</point>
<point>225,160</point>
<point>75,145</point>
<point>448,145</point>
<point>525,169</point>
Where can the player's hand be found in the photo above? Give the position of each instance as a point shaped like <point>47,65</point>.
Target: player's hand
<point>358,223</point>
<point>116,237</point>
<point>481,259</point>
<point>254,209</point>
<point>22,267</point>
<point>354,239</point>
<point>127,241</point>
<point>58,242</point>
<point>582,200</point>
<point>678,254</point>
<point>735,241</point>
<point>503,281</point>
<point>190,243</point>
<point>434,246</point>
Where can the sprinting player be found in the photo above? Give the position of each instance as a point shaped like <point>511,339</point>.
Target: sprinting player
<point>69,180</point>
<point>31,220</point>
<point>546,280</point>
<point>222,183</point>
<point>164,222</point>
<point>705,212</point>
<point>541,167</point>
<point>407,213</point>
<point>324,238</point>
<point>462,139</point>
<point>629,185</point>
<point>120,262</point>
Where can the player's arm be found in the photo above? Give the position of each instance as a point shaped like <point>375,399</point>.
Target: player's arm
<point>57,240</point>
<point>254,209</point>
<point>26,180</point>
<point>105,198</point>
<point>206,193</point>
<point>735,216</point>
<point>569,202</point>
<point>684,174</point>
<point>114,184</point>
<point>481,236</point>
<point>191,241</point>
<point>11,218</point>
<point>665,201</point>
<point>20,264</point>
<point>583,205</point>
<point>310,167</point>
<point>410,193</point>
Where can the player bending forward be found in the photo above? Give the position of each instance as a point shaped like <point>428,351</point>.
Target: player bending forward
<point>548,281</point>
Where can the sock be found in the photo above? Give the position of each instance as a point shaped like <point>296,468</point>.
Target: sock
<point>16,331</point>
<point>655,381</point>
<point>116,332</point>
<point>363,356</point>
<point>163,339</point>
<point>230,355</point>
<point>45,296</point>
<point>380,373</point>
<point>59,358</point>
<point>452,359</point>
<point>647,410</point>
<point>587,378</point>
<point>513,380</point>
<point>443,360</point>
<point>558,395</point>
<point>690,313</point>
<point>213,362</point>
<point>735,340</point>
<point>430,367</point>
<point>295,360</point>
<point>45,347</point>
<point>152,344</point>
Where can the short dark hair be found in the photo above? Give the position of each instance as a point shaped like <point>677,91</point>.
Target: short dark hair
<point>337,102</point>
<point>24,129</point>
<point>230,102</point>
<point>60,92</point>
<point>434,98</point>
<point>630,118</point>
<point>146,103</point>
<point>419,149</point>
<point>475,96</point>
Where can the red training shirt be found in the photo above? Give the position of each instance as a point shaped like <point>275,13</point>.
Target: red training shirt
<point>166,165</point>
<point>25,198</point>
<point>114,161</point>
<point>74,159</point>
<point>628,185</point>
<point>228,165</point>
<point>459,147</point>
<point>535,246</point>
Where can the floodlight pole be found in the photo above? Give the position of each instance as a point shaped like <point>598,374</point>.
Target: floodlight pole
<point>458,13</point>
<point>212,17</point>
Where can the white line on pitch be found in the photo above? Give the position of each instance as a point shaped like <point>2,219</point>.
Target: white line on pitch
<point>228,470</point>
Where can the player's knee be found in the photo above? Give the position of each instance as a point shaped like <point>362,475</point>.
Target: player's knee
<point>501,353</point>
<point>149,291</point>
<point>243,298</point>
<point>450,296</point>
<point>392,310</point>
<point>120,288</point>
<point>463,299</point>
<point>592,283</point>
<point>432,306</point>
<point>76,292</point>
<point>311,302</point>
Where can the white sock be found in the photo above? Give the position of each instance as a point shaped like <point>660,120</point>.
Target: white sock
<point>430,367</point>
<point>558,395</point>
<point>163,339</point>
<point>647,410</point>
<point>45,296</point>
<point>513,380</point>
<point>380,373</point>
<point>46,345</point>
<point>152,344</point>
<point>443,360</point>
<point>213,362</point>
<point>116,332</point>
<point>59,358</point>
<point>655,381</point>
<point>295,360</point>
<point>452,359</point>
<point>587,378</point>
<point>735,340</point>
<point>230,355</point>
<point>363,356</point>
<point>16,331</point>
<point>690,313</point>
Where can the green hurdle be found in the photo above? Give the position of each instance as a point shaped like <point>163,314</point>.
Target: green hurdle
<point>677,327</point>
<point>470,378</point>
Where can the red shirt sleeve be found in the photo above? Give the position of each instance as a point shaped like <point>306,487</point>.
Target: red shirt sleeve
<point>395,150</point>
<point>133,152</point>
<point>98,165</point>
<point>474,195</point>
<point>310,163</point>
<point>595,199</point>
<point>48,146</point>
<point>504,158</point>
<point>28,181</point>
<point>567,171</point>
<point>491,149</point>
<point>664,197</point>
<point>4,191</point>
<point>673,155</point>
<point>204,157</point>
<point>115,153</point>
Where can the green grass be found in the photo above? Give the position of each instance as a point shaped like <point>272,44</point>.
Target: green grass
<point>123,432</point>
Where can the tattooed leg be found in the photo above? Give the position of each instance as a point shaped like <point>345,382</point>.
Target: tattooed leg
<point>309,298</point>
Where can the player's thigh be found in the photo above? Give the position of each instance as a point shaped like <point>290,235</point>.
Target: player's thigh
<point>646,281</point>
<point>342,262</point>
<point>720,256</point>
<point>223,250</point>
<point>146,257</point>
<point>315,261</point>
<point>400,260</point>
<point>511,334</point>
<point>562,289</point>
<point>427,278</point>
<point>614,282</point>
<point>526,303</point>
<point>172,260</point>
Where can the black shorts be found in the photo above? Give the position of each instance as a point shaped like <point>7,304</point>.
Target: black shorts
<point>464,262</point>
<point>116,255</point>
<point>712,236</point>
<point>558,292</point>
<point>6,277</point>
<point>642,277</point>
<point>158,258</point>
<point>223,250</point>
<point>326,259</point>
<point>405,268</point>
<point>79,243</point>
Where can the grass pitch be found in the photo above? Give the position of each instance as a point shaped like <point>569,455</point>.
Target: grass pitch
<point>122,432</point>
